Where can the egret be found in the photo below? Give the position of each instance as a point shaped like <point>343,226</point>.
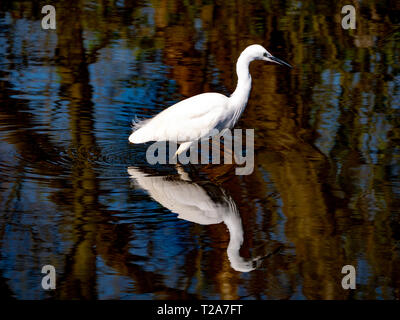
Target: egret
<point>201,116</point>
<point>192,202</point>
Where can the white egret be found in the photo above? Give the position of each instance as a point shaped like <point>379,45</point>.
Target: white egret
<point>200,116</point>
<point>192,202</point>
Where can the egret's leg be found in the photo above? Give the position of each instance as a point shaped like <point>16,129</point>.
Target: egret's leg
<point>215,146</point>
<point>225,150</point>
<point>182,173</point>
<point>230,153</point>
<point>182,147</point>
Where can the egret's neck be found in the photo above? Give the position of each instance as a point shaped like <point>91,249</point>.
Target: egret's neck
<point>234,224</point>
<point>241,94</point>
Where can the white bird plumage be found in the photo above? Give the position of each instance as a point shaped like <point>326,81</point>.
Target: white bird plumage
<point>192,202</point>
<point>200,116</point>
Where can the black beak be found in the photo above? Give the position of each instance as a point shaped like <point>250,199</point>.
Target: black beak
<point>279,61</point>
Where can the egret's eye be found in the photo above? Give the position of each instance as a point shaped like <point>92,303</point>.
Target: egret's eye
<point>265,54</point>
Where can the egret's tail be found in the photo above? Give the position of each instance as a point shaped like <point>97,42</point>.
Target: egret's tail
<point>139,136</point>
<point>140,132</point>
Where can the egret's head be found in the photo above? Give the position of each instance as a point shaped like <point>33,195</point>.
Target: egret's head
<point>257,52</point>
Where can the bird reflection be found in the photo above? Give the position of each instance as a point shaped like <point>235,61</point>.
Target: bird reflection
<point>199,202</point>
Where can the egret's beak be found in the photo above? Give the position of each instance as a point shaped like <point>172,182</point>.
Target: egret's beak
<point>279,61</point>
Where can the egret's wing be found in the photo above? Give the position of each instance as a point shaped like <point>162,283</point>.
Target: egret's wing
<point>187,120</point>
<point>187,199</point>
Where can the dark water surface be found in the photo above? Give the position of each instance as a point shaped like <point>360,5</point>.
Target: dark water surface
<point>325,191</point>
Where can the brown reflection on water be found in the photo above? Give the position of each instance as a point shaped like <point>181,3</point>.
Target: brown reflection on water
<point>324,189</point>
<point>79,280</point>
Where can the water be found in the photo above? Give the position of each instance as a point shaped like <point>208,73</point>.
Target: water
<point>325,191</point>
